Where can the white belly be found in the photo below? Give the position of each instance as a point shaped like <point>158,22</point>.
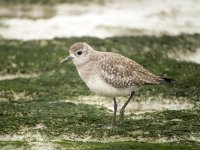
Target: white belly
<point>98,86</point>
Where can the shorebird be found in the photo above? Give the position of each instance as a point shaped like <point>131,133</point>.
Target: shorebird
<point>111,74</point>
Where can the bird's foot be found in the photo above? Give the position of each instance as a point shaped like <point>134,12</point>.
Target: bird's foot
<point>114,121</point>
<point>121,120</point>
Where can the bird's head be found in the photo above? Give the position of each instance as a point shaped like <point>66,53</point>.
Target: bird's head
<point>79,53</point>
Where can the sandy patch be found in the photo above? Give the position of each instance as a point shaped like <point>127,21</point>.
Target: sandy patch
<point>141,17</point>
<point>195,57</point>
<point>187,56</point>
<point>35,139</point>
<point>38,141</point>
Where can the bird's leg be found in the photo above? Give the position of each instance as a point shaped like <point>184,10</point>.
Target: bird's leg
<point>115,112</point>
<point>121,117</point>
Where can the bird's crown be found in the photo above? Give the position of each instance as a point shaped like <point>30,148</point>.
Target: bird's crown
<point>78,46</point>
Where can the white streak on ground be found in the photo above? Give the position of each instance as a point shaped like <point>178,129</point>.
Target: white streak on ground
<point>137,106</point>
<point>15,76</point>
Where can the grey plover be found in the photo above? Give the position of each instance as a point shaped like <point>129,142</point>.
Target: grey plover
<point>111,74</point>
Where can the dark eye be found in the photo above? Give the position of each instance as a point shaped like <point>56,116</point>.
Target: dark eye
<point>79,52</point>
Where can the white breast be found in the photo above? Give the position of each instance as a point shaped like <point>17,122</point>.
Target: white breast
<point>98,86</point>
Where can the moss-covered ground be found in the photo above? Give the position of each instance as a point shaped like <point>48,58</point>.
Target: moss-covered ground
<point>26,103</point>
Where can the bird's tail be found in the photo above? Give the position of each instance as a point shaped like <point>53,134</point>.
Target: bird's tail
<point>167,80</point>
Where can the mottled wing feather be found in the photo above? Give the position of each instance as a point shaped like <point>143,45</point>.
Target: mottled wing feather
<point>121,72</point>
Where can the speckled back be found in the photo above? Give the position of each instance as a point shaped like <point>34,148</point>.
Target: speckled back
<point>121,72</point>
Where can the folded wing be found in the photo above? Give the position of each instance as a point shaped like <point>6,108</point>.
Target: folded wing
<point>121,72</point>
